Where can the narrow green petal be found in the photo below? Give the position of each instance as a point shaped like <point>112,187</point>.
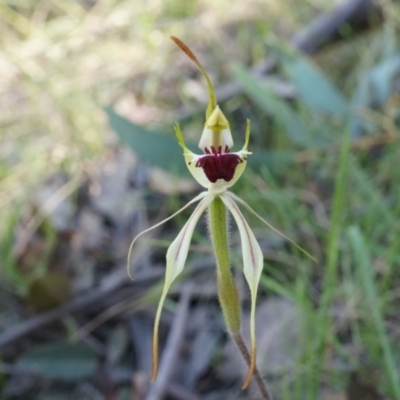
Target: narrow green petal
<point>247,135</point>
<point>252,268</point>
<point>244,204</point>
<point>243,155</point>
<point>191,159</point>
<point>180,138</point>
<point>197,198</point>
<point>176,258</point>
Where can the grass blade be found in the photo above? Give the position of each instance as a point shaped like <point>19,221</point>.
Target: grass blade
<point>366,274</point>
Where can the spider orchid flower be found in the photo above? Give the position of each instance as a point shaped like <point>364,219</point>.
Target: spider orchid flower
<point>216,170</point>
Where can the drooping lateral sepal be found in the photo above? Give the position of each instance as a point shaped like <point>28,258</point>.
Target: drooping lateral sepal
<point>197,198</point>
<point>252,268</point>
<point>176,258</point>
<point>244,204</point>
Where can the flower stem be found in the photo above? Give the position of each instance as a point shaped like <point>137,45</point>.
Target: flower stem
<point>227,291</point>
<point>246,355</point>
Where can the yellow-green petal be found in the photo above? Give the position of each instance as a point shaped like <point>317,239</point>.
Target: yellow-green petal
<point>216,132</point>
<point>191,159</point>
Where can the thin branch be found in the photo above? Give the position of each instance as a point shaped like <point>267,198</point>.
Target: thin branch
<point>82,302</point>
<point>246,355</point>
<point>323,29</point>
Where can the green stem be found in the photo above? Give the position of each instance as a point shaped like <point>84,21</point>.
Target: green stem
<point>227,291</point>
<point>228,294</point>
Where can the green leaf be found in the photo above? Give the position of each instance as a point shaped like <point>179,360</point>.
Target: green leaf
<point>382,78</point>
<point>269,102</point>
<point>157,149</point>
<point>361,99</point>
<point>60,361</point>
<point>313,87</point>
<point>373,91</point>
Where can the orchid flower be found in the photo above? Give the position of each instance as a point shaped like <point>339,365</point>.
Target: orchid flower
<point>216,170</point>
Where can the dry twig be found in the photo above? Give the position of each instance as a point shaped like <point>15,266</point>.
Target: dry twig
<point>324,29</point>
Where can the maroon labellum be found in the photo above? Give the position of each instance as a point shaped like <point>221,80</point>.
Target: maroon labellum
<point>219,165</point>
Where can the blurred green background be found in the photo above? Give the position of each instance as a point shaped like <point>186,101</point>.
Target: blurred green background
<point>80,81</point>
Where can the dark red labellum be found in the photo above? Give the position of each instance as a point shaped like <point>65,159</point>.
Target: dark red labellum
<point>217,165</point>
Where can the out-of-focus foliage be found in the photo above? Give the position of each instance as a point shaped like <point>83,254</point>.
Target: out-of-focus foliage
<point>325,137</point>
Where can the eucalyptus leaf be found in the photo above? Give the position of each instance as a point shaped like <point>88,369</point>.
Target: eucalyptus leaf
<point>373,91</point>
<point>382,77</point>
<point>62,361</point>
<point>269,102</point>
<point>313,86</point>
<point>157,149</point>
<point>362,99</point>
